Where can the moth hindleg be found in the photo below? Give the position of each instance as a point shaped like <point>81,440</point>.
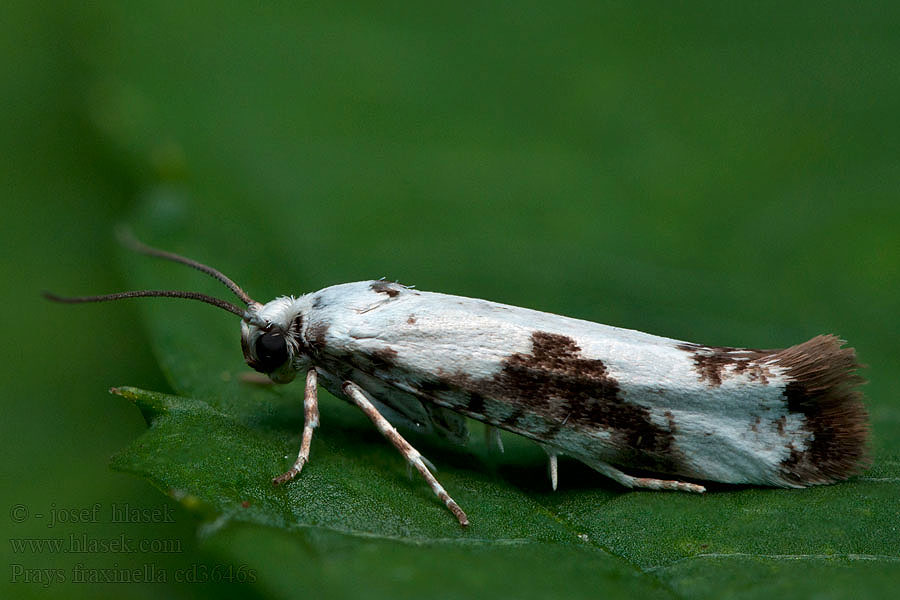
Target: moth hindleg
<point>630,481</point>
<point>492,437</point>
<point>553,466</point>
<point>310,422</point>
<point>358,396</point>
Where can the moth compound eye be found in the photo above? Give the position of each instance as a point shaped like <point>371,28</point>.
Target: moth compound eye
<point>271,351</point>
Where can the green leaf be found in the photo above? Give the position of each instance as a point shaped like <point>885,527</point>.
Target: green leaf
<point>714,172</point>
<point>216,446</point>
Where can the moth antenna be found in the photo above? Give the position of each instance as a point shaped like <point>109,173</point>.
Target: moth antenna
<point>127,239</point>
<point>245,315</point>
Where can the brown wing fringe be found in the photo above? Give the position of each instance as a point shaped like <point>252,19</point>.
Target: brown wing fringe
<point>823,389</point>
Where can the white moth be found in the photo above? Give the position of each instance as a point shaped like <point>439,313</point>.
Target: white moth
<point>618,400</point>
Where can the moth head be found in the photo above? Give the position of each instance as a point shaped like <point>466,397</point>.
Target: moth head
<point>268,338</point>
<point>271,341</point>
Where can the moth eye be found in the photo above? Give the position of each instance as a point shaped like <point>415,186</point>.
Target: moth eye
<point>271,351</point>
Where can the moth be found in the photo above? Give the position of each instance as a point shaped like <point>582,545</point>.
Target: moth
<point>646,411</point>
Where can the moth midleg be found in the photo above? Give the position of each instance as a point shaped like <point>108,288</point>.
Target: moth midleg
<point>644,482</point>
<point>492,437</point>
<point>310,422</point>
<point>358,396</point>
<point>427,462</point>
<point>552,466</point>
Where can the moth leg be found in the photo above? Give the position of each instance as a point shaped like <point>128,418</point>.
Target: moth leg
<point>358,396</point>
<point>492,438</point>
<point>310,422</point>
<point>427,462</point>
<point>645,482</point>
<point>554,469</point>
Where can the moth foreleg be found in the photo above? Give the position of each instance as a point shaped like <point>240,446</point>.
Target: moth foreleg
<point>310,422</point>
<point>358,396</point>
<point>630,481</point>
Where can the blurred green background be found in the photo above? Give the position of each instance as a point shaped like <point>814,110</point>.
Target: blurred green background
<point>714,172</point>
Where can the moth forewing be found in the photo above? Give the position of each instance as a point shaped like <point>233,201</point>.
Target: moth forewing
<point>613,398</point>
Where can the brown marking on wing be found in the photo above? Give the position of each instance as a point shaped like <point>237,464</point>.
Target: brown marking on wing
<point>823,388</point>
<point>315,336</point>
<point>296,325</point>
<point>556,383</point>
<point>780,422</point>
<point>714,364</point>
<point>385,287</point>
<point>295,335</point>
<point>384,359</point>
<point>670,419</point>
